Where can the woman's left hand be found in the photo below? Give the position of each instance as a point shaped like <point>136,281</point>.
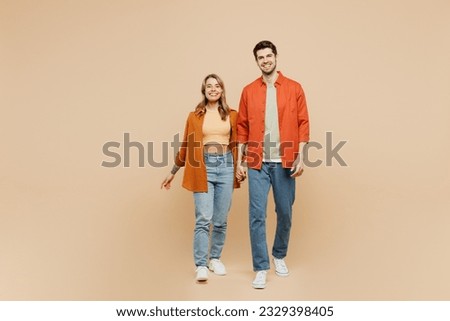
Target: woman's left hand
<point>166,182</point>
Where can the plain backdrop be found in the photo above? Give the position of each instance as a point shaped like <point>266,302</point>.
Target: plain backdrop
<point>78,74</point>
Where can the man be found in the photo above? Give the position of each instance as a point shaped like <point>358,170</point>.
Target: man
<point>273,127</point>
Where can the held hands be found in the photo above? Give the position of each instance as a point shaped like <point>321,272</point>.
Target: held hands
<point>166,183</point>
<point>241,173</point>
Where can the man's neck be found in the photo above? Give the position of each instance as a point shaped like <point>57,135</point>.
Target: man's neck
<point>270,79</point>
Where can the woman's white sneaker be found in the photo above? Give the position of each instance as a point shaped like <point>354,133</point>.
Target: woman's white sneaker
<point>216,266</point>
<point>202,273</point>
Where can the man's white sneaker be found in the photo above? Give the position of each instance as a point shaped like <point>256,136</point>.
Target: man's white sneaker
<point>217,267</point>
<point>280,267</point>
<point>202,273</point>
<point>260,280</point>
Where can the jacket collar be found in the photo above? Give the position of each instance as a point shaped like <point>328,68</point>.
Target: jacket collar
<point>278,82</point>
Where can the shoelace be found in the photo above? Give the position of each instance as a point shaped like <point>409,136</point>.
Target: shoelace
<point>260,276</point>
<point>280,264</point>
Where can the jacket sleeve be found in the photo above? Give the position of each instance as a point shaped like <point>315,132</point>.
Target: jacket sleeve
<point>180,158</point>
<point>302,116</point>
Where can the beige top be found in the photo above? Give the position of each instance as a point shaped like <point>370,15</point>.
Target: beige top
<point>271,150</point>
<point>215,130</point>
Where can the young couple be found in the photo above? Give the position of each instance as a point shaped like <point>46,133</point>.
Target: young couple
<point>268,133</point>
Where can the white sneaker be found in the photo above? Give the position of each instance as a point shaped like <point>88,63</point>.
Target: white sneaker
<point>280,267</point>
<point>217,267</point>
<point>202,273</point>
<point>260,280</point>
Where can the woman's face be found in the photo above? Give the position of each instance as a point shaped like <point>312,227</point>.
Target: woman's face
<point>213,91</point>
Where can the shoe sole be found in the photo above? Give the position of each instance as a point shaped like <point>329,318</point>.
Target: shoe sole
<point>259,286</point>
<point>283,275</point>
<point>221,274</point>
<point>202,279</point>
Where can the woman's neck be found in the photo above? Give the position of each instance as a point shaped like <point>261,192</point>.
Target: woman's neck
<point>212,105</point>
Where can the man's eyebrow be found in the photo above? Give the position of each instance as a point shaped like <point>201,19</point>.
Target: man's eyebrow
<point>268,55</point>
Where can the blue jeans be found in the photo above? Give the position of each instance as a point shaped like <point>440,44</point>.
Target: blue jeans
<point>259,182</point>
<point>212,207</point>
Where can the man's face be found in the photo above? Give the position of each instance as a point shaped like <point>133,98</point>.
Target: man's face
<point>266,60</point>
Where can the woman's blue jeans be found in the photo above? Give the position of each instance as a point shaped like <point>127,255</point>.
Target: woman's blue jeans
<point>212,207</point>
<point>270,174</point>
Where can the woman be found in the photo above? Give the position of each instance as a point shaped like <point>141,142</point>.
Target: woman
<point>208,153</point>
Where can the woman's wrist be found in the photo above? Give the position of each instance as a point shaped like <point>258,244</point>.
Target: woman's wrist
<point>175,169</point>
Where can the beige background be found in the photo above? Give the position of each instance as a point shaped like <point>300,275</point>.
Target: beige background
<point>77,74</point>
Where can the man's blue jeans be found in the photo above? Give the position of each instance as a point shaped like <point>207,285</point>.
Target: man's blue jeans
<point>212,207</point>
<point>270,174</point>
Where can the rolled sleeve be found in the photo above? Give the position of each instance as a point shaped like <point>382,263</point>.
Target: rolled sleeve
<point>180,158</point>
<point>302,116</point>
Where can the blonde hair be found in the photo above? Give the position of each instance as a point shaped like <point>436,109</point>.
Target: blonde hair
<point>224,109</point>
